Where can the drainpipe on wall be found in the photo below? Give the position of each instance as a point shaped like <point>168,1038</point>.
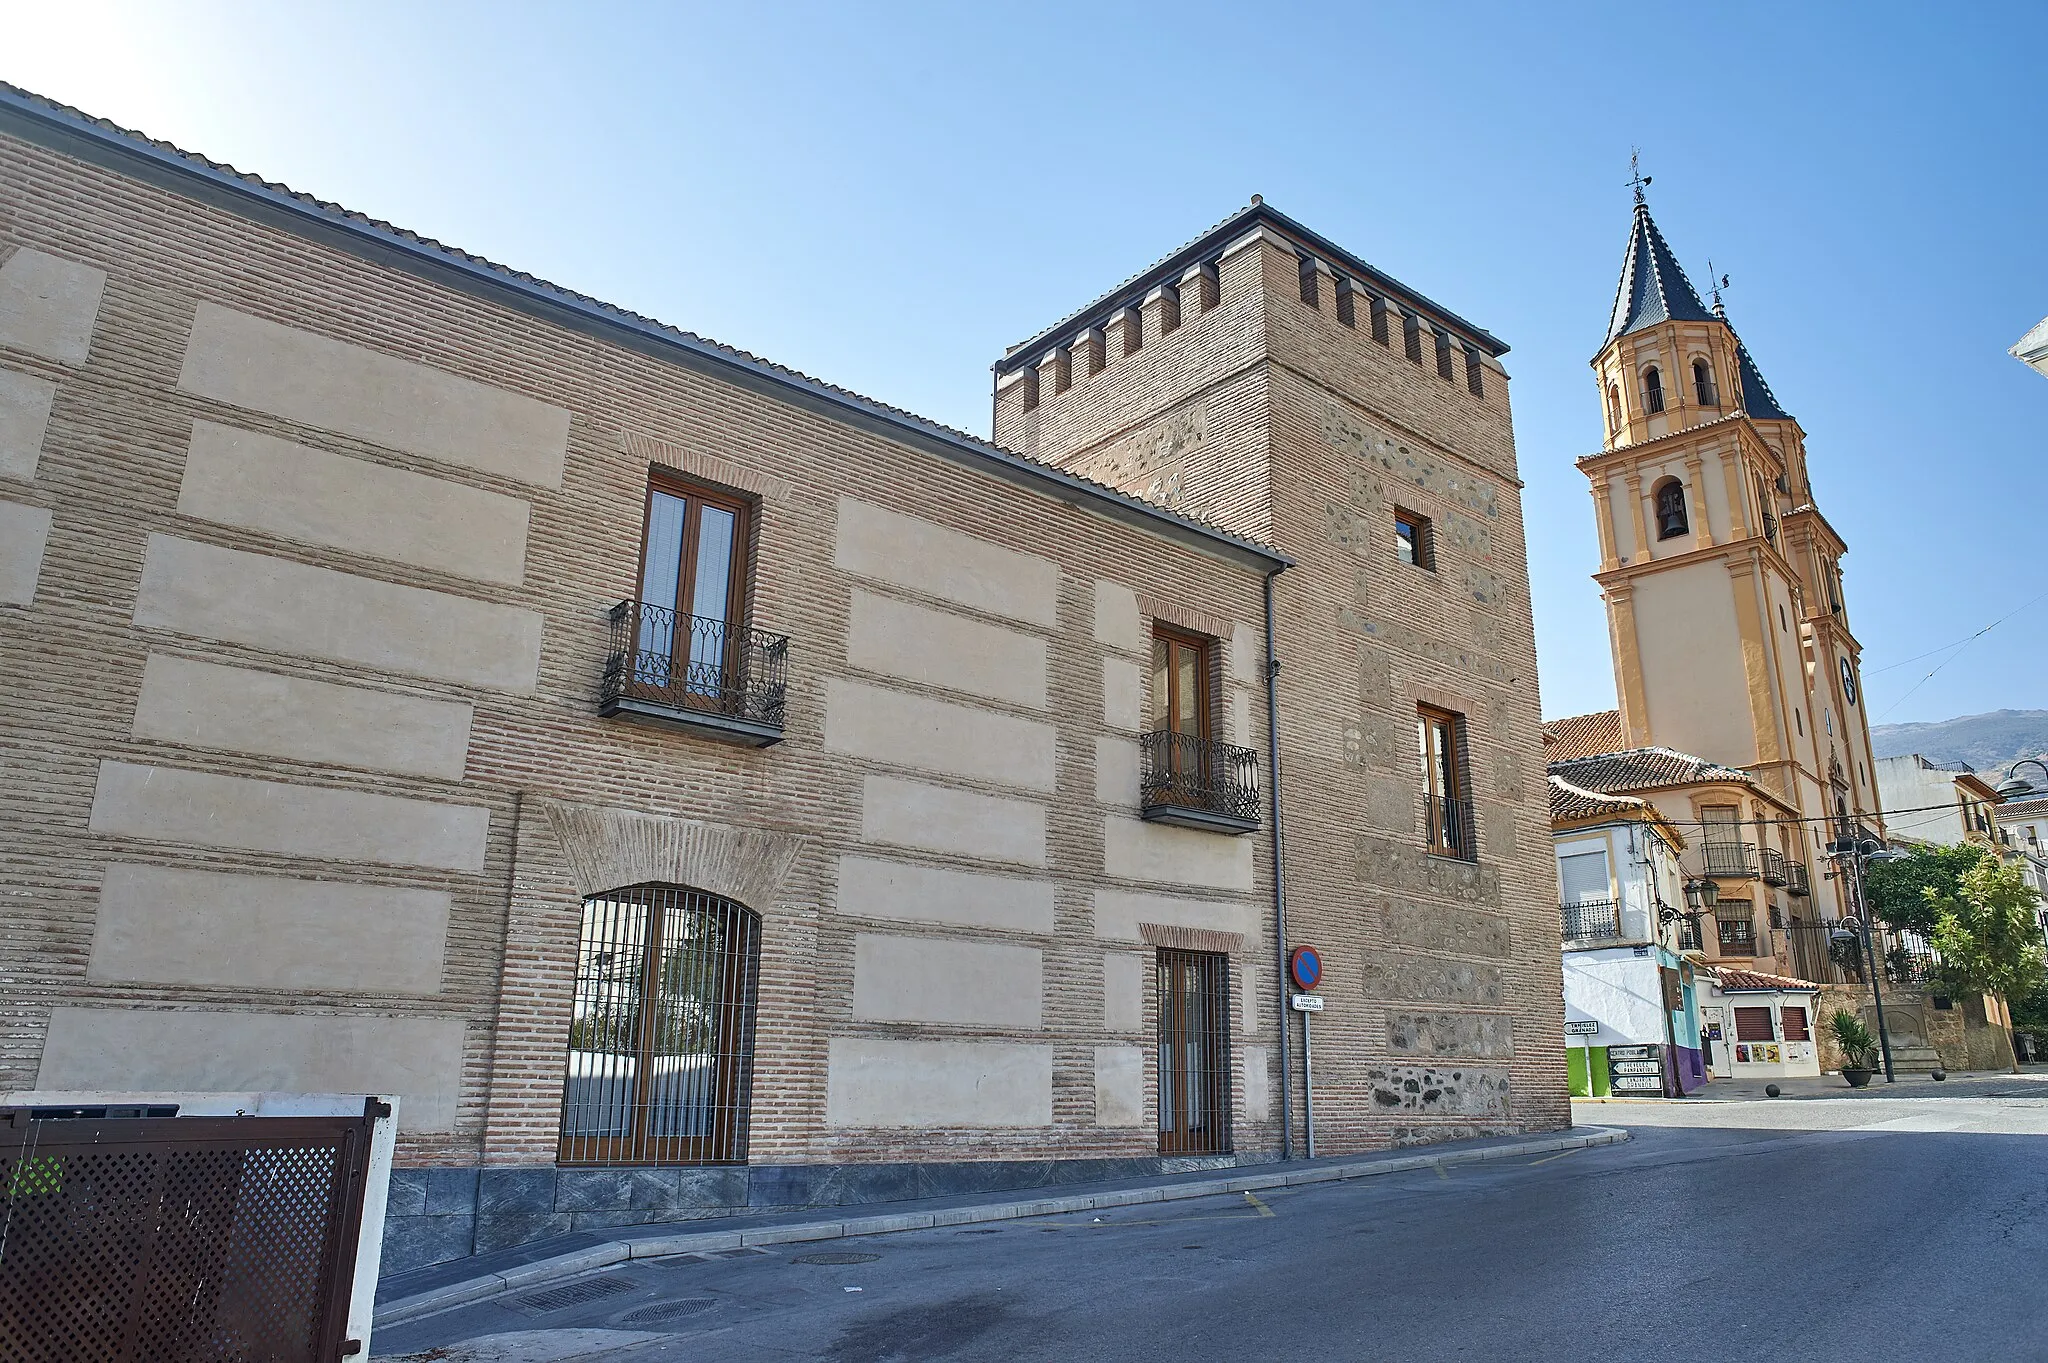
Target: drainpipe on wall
<point>1279,874</point>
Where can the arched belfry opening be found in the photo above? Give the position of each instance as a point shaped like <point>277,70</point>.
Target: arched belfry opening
<point>661,1038</point>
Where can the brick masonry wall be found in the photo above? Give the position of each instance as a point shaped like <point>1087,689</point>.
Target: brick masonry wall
<point>111,468</point>
<point>1445,1016</point>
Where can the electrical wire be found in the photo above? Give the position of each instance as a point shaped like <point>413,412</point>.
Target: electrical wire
<point>1960,649</point>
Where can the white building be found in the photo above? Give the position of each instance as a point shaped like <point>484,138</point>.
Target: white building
<point>1759,1026</point>
<point>1940,804</point>
<point>1631,1019</point>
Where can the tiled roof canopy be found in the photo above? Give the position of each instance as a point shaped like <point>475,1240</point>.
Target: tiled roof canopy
<point>1757,398</point>
<point>1653,288</point>
<point>1642,769</point>
<point>1738,980</point>
<point>1569,803</point>
<point>1583,736</point>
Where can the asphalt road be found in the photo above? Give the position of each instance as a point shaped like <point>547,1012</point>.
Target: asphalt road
<point>1915,1227</point>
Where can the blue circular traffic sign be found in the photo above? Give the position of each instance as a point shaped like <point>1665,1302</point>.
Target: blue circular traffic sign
<point>1305,964</point>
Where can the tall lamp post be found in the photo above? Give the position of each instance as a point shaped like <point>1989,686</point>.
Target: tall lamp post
<point>1858,853</point>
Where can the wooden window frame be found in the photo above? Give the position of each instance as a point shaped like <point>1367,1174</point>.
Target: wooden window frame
<point>1434,773</point>
<point>1421,535</point>
<point>1205,651</point>
<point>739,577</point>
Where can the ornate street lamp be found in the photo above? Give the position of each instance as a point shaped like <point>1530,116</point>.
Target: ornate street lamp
<point>1859,854</point>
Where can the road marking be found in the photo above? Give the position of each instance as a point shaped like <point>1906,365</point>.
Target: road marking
<point>1440,1172</point>
<point>1559,1155</point>
<point>1264,1210</point>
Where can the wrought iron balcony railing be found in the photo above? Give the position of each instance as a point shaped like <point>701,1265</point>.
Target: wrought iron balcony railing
<point>1775,872</point>
<point>1729,860</point>
<point>1198,782</point>
<point>1451,830</point>
<point>1591,920</point>
<point>722,680</point>
<point>1797,881</point>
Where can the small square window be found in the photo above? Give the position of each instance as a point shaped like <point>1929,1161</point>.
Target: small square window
<point>1413,542</point>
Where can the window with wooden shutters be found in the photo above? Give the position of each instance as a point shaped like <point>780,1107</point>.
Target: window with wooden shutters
<point>1794,1020</point>
<point>1754,1024</point>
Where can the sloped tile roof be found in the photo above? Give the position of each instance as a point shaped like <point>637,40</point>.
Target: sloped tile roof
<point>1642,769</point>
<point>1756,979</point>
<point>1583,735</point>
<point>78,124</point>
<point>1653,288</point>
<point>1569,802</point>
<point>1758,400</point>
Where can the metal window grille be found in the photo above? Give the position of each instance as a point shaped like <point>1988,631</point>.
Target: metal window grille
<point>1590,919</point>
<point>1737,926</point>
<point>661,1041</point>
<point>1452,832</point>
<point>1728,860</point>
<point>1194,1052</point>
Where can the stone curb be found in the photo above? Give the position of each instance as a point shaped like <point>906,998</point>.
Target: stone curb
<point>660,1246</point>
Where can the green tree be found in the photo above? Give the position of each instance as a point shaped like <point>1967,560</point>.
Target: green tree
<point>1897,890</point>
<point>1987,933</point>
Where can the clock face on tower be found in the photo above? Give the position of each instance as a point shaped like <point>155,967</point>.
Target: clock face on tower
<point>1848,682</point>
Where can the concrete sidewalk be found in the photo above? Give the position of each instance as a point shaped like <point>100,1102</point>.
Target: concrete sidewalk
<point>2031,1081</point>
<point>407,1296</point>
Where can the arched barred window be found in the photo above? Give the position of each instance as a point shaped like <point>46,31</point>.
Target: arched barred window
<point>1653,390</point>
<point>661,1040</point>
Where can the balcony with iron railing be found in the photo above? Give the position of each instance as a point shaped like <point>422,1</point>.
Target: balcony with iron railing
<point>1452,832</point>
<point>1591,920</point>
<point>1775,872</point>
<point>1196,782</point>
<point>1728,860</point>
<point>719,680</point>
<point>1797,881</point>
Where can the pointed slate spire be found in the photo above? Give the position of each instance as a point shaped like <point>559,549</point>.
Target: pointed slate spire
<point>1653,288</point>
<point>1757,398</point>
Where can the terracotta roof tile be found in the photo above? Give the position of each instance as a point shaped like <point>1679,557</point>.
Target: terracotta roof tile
<point>1583,735</point>
<point>1569,802</point>
<point>1643,769</point>
<point>1756,979</point>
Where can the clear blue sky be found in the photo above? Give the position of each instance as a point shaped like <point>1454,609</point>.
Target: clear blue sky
<point>885,196</point>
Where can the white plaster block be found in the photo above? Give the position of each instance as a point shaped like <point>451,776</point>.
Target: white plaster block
<point>1119,912</point>
<point>942,819</point>
<point>24,534</point>
<point>1135,850</point>
<point>941,649</point>
<point>1256,1092</point>
<point>160,1050</point>
<point>265,602</point>
<point>1119,1086</point>
<point>878,1082</point>
<point>262,483</point>
<point>24,421</point>
<point>164,926</point>
<point>870,887</point>
<point>1123,992</point>
<point>1123,694</point>
<point>170,804</point>
<point>335,386</point>
<point>1247,654</point>
<point>1117,624</point>
<point>935,735</point>
<point>48,304</point>
<point>205,705</point>
<point>934,979</point>
<point>928,558</point>
<point>1240,721</point>
<point>1116,772</point>
<point>1253,1020</point>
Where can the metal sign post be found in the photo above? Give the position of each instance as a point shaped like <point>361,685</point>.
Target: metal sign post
<point>1305,966</point>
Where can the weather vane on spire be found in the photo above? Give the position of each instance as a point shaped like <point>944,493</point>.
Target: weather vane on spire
<point>1716,283</point>
<point>1636,179</point>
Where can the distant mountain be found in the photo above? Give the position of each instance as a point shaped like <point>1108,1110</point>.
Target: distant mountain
<point>1989,743</point>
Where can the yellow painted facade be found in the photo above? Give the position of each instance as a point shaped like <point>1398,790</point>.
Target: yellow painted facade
<point>1722,579</point>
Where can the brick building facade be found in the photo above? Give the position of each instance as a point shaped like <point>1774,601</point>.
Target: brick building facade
<point>420,679</point>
